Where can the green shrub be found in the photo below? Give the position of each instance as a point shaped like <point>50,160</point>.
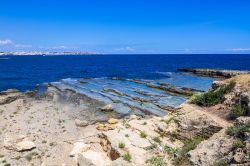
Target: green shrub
<point>221,163</point>
<point>212,97</point>
<point>121,145</point>
<point>238,110</point>
<point>143,134</point>
<point>127,157</point>
<point>238,143</point>
<point>156,161</point>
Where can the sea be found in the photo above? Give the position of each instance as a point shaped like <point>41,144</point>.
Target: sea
<point>92,75</point>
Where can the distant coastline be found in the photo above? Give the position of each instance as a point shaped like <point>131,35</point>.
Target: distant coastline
<point>23,53</point>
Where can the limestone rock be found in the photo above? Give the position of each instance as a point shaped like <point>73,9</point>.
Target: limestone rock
<point>112,121</point>
<point>25,146</point>
<point>81,123</point>
<point>107,108</point>
<point>242,120</point>
<point>111,126</point>
<point>132,117</point>
<point>92,158</point>
<point>210,151</point>
<point>79,147</point>
<point>100,126</point>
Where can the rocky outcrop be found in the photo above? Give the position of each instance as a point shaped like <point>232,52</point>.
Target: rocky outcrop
<point>9,96</point>
<point>172,90</point>
<point>212,150</point>
<point>214,72</point>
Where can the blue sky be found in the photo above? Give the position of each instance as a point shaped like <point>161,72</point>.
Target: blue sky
<point>126,26</point>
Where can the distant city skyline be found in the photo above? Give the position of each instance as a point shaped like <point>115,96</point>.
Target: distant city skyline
<point>126,26</point>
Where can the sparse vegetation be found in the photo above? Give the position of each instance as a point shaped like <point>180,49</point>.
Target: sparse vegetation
<point>156,161</point>
<point>151,147</point>
<point>44,141</point>
<point>172,152</point>
<point>126,135</point>
<point>238,131</point>
<point>143,134</point>
<point>238,110</point>
<point>121,145</point>
<point>157,139</point>
<point>221,163</point>
<point>179,156</point>
<point>212,97</point>
<point>127,157</point>
<point>173,135</point>
<point>7,164</point>
<point>170,119</point>
<point>144,123</point>
<point>238,143</point>
<point>28,157</point>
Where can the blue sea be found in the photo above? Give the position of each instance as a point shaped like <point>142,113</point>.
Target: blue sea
<point>24,72</point>
<point>91,75</point>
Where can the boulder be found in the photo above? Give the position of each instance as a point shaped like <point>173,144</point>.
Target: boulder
<point>25,146</point>
<point>92,158</point>
<point>81,123</point>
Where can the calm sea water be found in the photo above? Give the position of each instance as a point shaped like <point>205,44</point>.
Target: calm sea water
<point>24,72</point>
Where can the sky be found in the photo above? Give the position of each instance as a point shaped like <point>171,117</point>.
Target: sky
<point>126,26</point>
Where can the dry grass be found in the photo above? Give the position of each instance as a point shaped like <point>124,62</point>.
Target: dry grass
<point>242,81</point>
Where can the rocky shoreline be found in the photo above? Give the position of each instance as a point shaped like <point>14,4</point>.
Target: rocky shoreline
<point>65,128</point>
<point>213,72</point>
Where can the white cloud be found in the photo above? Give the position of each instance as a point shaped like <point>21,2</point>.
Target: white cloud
<point>240,49</point>
<point>23,46</point>
<point>187,50</point>
<point>60,47</point>
<point>5,42</point>
<point>128,48</point>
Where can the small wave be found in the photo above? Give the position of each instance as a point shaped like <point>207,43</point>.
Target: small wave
<point>4,58</point>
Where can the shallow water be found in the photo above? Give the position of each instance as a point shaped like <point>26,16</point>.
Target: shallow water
<point>129,95</point>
